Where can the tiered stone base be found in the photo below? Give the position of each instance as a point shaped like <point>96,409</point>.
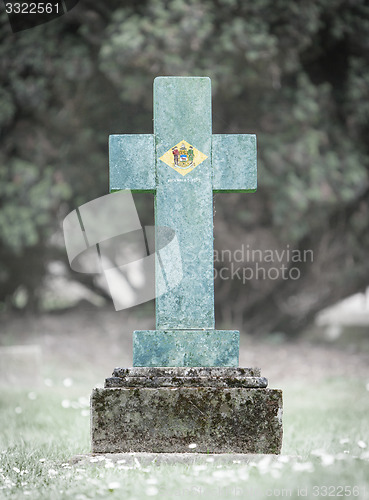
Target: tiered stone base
<point>165,410</point>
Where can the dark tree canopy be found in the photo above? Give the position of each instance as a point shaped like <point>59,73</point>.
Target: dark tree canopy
<point>294,73</point>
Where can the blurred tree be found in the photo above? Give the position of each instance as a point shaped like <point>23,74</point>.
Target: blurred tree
<point>296,74</point>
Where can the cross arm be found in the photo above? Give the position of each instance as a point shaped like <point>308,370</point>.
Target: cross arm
<point>132,162</point>
<point>234,163</point>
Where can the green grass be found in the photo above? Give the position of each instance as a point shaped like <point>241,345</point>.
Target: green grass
<point>38,437</point>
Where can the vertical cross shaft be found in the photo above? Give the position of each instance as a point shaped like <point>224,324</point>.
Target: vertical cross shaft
<point>182,111</point>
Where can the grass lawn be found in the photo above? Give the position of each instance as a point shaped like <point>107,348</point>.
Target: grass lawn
<point>325,451</point>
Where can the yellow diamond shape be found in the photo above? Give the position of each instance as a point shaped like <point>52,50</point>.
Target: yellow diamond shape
<point>183,157</point>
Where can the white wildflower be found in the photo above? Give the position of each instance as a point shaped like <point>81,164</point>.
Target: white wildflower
<point>264,464</point>
<point>327,460</point>
<point>275,473</point>
<point>114,485</point>
<point>152,491</point>
<point>67,382</point>
<point>243,474</point>
<point>192,446</point>
<point>303,467</point>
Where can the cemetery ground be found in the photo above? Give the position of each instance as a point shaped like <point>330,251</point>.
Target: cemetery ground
<point>43,426</point>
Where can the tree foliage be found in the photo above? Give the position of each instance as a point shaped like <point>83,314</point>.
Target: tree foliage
<point>294,73</point>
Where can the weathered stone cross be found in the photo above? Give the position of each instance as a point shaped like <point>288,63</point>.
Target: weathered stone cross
<point>183,164</point>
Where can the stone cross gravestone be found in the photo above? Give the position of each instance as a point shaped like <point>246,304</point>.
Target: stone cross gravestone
<point>185,332</point>
<point>185,385</point>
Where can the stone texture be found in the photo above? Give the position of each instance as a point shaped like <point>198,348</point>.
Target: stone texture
<point>132,162</point>
<point>234,162</point>
<point>251,382</point>
<point>168,420</point>
<point>182,111</point>
<point>185,348</point>
<point>195,371</point>
<point>183,376</point>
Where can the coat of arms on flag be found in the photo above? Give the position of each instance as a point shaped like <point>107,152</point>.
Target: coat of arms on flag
<point>183,157</point>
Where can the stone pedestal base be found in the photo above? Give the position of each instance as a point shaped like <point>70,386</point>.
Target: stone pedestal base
<point>165,410</point>
<point>186,348</point>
